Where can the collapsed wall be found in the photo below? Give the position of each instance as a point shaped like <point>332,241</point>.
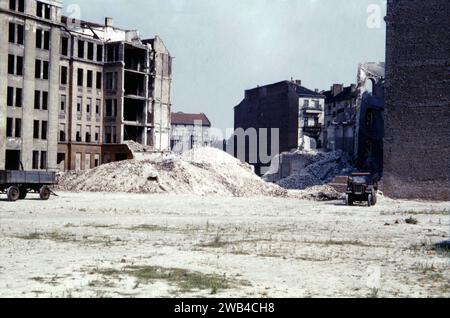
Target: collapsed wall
<point>417,113</point>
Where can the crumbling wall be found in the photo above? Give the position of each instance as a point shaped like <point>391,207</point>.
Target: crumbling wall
<point>417,115</point>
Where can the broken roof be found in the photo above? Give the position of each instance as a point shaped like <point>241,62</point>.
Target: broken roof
<point>347,93</point>
<point>190,119</point>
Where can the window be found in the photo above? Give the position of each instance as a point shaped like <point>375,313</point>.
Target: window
<point>41,69</point>
<point>90,51</point>
<point>88,134</point>
<point>80,77</point>
<point>109,108</point>
<point>88,106</point>
<point>46,40</point>
<point>10,97</point>
<point>9,127</point>
<point>17,5</point>
<point>36,129</point>
<point>18,97</point>
<point>65,46</point>
<point>111,80</point>
<point>63,75</point>
<point>89,79</point>
<point>44,130</point>
<point>43,160</point>
<point>37,100</point>
<point>37,69</point>
<point>63,104</point>
<point>18,132</point>
<point>79,102</point>
<point>97,134</point>
<point>15,65</point>
<point>43,10</point>
<point>81,49</point>
<point>35,160</point>
<point>39,38</point>
<point>306,103</point>
<point>16,33</point>
<point>99,53</point>
<point>99,80</point>
<point>78,137</point>
<point>114,136</point>
<point>44,100</point>
<point>11,60</point>
<point>108,135</point>
<point>97,107</point>
<point>62,132</point>
<point>45,70</point>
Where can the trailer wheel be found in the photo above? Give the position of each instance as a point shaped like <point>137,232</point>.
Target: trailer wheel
<point>45,193</point>
<point>13,193</point>
<point>23,193</point>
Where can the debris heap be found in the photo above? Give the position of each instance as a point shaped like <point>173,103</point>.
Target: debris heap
<point>301,170</point>
<point>203,171</point>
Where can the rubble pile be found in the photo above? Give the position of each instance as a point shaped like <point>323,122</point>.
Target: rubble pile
<point>301,170</point>
<point>203,171</point>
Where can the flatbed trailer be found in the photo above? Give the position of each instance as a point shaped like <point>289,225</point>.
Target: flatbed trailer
<point>17,184</point>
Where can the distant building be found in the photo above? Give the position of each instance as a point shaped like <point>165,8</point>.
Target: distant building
<point>340,118</point>
<point>189,131</point>
<point>297,112</point>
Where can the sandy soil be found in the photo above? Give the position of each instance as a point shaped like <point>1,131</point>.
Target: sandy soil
<point>130,245</point>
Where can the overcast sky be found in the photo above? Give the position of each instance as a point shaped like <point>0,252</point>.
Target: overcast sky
<point>222,47</point>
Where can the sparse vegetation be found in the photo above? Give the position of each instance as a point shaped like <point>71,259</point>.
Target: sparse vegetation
<point>185,280</point>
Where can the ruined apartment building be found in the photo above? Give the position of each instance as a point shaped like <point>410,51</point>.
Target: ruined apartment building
<point>73,91</point>
<point>297,112</point>
<point>417,114</point>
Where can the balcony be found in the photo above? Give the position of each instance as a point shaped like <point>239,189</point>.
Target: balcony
<point>313,129</point>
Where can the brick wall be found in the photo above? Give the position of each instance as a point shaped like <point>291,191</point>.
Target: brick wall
<point>417,142</point>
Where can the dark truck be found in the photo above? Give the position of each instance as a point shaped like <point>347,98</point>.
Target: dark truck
<point>362,187</point>
<point>17,184</point>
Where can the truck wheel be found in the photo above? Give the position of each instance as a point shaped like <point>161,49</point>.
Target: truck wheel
<point>369,200</point>
<point>23,193</point>
<point>13,194</point>
<point>374,199</point>
<point>45,193</point>
<point>349,200</point>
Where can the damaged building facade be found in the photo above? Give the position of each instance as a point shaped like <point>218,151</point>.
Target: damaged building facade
<point>340,118</point>
<point>417,115</point>
<point>76,90</point>
<point>295,111</point>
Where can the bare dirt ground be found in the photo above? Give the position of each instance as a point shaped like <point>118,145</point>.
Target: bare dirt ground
<point>131,245</point>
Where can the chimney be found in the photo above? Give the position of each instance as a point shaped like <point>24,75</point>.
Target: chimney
<point>298,82</point>
<point>336,89</point>
<point>109,22</point>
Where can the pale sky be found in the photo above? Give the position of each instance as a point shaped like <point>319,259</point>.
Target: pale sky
<point>222,47</point>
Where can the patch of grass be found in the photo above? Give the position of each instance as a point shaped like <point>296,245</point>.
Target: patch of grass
<point>148,227</point>
<point>340,242</point>
<point>431,212</point>
<point>68,238</point>
<point>186,281</point>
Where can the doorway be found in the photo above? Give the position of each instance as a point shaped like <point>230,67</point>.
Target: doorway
<point>12,161</point>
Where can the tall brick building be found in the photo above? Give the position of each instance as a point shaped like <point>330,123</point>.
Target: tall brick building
<point>417,114</point>
<point>72,92</point>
